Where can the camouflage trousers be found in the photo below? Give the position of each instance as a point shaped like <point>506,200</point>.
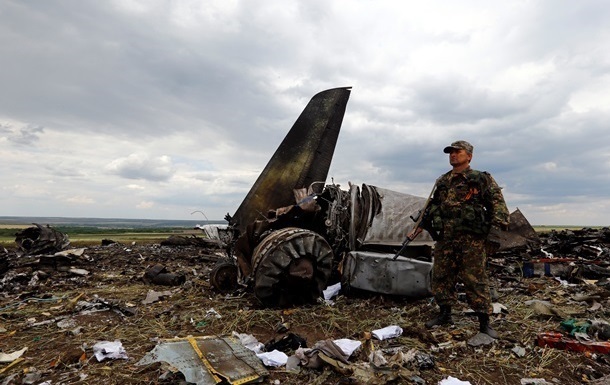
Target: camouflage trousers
<point>462,259</point>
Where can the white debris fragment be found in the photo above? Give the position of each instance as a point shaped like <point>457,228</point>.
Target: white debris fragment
<point>347,346</point>
<point>274,358</point>
<point>387,332</point>
<point>250,342</point>
<point>109,349</point>
<point>6,357</point>
<point>332,291</point>
<point>453,381</point>
<point>498,308</point>
<point>211,312</point>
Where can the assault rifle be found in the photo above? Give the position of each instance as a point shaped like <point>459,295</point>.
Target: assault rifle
<point>421,214</point>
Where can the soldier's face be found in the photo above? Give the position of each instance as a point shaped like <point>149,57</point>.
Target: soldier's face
<point>459,157</point>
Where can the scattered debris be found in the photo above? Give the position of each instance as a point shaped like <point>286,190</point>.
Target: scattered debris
<point>391,331</point>
<point>453,381</point>
<point>208,360</point>
<point>289,245</point>
<point>559,341</point>
<point>10,357</point>
<point>71,306</point>
<point>273,359</point>
<point>159,275</point>
<point>480,339</point>
<point>154,296</point>
<point>41,239</point>
<point>180,240</point>
<point>112,350</point>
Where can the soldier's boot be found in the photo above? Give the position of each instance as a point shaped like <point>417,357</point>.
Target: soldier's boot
<point>484,326</point>
<point>443,318</point>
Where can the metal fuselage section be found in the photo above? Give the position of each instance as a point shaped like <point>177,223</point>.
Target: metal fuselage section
<point>293,232</point>
<point>298,251</point>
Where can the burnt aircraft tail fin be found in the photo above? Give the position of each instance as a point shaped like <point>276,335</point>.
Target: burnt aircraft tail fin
<point>302,158</point>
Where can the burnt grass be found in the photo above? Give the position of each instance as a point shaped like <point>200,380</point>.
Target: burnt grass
<point>34,299</point>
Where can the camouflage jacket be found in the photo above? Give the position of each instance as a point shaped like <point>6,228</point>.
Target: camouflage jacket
<point>467,202</point>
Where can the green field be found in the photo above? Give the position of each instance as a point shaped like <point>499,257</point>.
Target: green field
<point>83,236</point>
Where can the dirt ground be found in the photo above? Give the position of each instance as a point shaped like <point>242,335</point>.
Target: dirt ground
<point>49,311</point>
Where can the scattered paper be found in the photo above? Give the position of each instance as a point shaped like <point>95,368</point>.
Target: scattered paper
<point>4,357</point>
<point>274,358</point>
<point>154,296</point>
<point>212,313</point>
<point>79,271</point>
<point>453,381</point>
<point>519,351</point>
<point>391,331</point>
<point>332,291</point>
<point>499,308</point>
<point>348,346</point>
<point>250,342</point>
<point>109,349</point>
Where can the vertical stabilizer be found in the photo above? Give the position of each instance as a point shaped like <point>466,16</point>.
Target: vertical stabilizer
<point>303,157</point>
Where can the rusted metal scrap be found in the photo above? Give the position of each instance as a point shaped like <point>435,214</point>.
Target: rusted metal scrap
<point>41,240</point>
<point>559,341</point>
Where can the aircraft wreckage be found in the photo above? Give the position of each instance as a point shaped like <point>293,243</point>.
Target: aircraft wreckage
<point>293,235</point>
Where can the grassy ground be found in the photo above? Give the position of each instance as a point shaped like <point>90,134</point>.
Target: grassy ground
<point>92,236</point>
<point>83,236</point>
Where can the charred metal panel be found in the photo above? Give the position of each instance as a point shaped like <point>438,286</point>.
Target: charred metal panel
<point>385,217</point>
<point>41,240</point>
<point>520,234</point>
<point>209,360</point>
<point>356,214</point>
<point>380,273</point>
<point>302,158</point>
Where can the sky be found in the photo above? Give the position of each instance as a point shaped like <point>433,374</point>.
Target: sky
<point>171,109</point>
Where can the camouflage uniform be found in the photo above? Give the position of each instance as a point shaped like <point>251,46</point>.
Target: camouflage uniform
<point>464,207</point>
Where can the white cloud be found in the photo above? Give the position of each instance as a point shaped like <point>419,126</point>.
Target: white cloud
<point>80,200</point>
<point>145,205</point>
<point>142,166</point>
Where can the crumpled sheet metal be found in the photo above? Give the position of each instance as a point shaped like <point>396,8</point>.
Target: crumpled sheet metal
<point>380,273</point>
<point>520,234</point>
<point>383,217</point>
<point>41,240</point>
<point>209,360</point>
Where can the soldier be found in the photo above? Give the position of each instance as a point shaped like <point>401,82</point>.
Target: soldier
<point>466,204</point>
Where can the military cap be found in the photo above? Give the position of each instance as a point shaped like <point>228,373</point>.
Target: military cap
<point>459,145</point>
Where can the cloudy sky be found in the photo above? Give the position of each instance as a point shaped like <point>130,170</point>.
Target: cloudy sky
<point>154,109</point>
